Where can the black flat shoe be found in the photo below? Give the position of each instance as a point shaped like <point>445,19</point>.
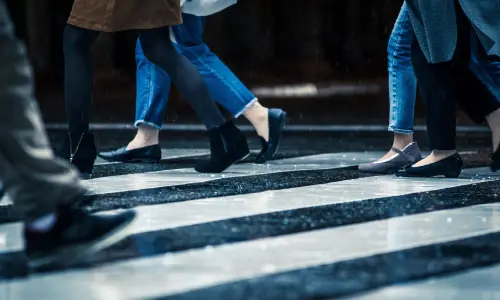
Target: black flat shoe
<point>147,154</point>
<point>277,120</point>
<point>80,150</point>
<point>227,146</point>
<point>450,167</point>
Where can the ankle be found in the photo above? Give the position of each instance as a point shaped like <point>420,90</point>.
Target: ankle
<point>139,143</point>
<point>146,136</point>
<point>443,153</point>
<point>493,119</point>
<point>402,140</point>
<point>256,114</point>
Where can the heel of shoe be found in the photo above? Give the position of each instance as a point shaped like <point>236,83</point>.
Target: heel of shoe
<point>238,145</point>
<point>84,166</point>
<point>495,166</point>
<point>241,150</point>
<point>227,146</point>
<point>495,157</point>
<point>454,169</point>
<point>84,154</point>
<point>453,173</point>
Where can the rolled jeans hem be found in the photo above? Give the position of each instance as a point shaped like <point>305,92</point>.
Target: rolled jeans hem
<point>399,130</point>
<point>242,111</point>
<point>139,122</point>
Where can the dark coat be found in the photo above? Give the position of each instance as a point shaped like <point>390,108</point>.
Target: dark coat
<point>434,22</point>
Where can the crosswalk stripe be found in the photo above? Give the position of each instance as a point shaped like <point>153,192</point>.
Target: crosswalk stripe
<point>265,257</point>
<point>475,284</point>
<point>122,183</point>
<point>163,216</point>
<point>188,213</point>
<point>186,271</point>
<point>176,177</point>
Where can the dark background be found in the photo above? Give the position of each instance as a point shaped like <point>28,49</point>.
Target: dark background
<point>265,42</point>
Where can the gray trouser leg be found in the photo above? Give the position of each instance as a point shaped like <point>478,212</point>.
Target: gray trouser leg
<point>36,182</point>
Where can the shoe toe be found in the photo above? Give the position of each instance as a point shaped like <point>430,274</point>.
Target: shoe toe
<point>113,154</point>
<point>365,167</point>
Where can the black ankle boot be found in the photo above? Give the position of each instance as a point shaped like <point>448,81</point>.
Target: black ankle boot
<point>80,150</point>
<point>227,146</point>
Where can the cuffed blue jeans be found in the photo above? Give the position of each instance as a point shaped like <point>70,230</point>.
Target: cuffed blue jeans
<point>402,82</point>
<point>153,84</point>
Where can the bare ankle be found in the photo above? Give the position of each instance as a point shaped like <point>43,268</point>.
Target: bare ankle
<point>256,113</point>
<point>443,153</point>
<point>146,136</point>
<point>402,140</point>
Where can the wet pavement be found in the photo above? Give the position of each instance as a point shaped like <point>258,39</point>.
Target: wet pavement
<point>306,225</point>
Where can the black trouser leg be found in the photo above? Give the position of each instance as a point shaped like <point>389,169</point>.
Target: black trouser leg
<point>442,85</point>
<point>472,94</point>
<point>159,50</point>
<point>78,77</point>
<point>437,90</point>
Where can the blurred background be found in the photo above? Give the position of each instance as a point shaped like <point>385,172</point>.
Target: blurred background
<point>323,61</point>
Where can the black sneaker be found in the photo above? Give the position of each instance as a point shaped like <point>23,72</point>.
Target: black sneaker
<point>75,235</point>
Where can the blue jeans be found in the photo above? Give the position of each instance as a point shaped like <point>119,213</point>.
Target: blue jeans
<point>153,84</point>
<point>402,82</point>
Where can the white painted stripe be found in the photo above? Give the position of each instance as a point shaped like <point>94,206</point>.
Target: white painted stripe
<point>11,238</point>
<point>166,154</point>
<point>132,182</point>
<point>187,213</point>
<point>288,128</point>
<point>201,268</point>
<point>164,216</point>
<point>157,179</point>
<point>476,284</point>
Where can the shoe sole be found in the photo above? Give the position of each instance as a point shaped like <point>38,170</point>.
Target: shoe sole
<point>452,175</point>
<point>73,254</point>
<point>389,172</point>
<point>377,173</point>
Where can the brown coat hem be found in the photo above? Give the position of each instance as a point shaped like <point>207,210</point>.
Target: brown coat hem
<point>86,24</point>
<point>120,15</point>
